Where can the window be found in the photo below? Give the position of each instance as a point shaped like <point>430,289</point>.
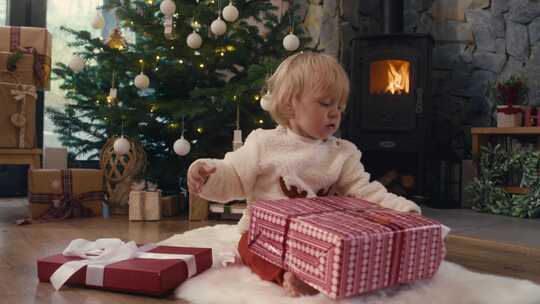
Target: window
<point>3,12</point>
<point>76,14</point>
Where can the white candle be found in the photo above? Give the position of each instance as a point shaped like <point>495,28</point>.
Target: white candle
<point>237,139</point>
<point>168,25</point>
<point>112,93</point>
<point>237,136</point>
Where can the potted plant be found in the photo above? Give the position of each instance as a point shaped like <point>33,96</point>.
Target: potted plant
<point>509,95</point>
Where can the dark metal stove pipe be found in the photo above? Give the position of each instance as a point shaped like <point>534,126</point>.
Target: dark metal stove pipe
<point>392,16</point>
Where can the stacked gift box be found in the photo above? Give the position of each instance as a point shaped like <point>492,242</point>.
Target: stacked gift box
<point>17,71</point>
<point>25,55</point>
<point>18,116</point>
<point>35,42</point>
<point>344,246</point>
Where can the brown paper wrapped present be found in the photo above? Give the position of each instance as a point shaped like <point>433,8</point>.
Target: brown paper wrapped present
<point>144,206</point>
<point>35,41</point>
<point>21,72</point>
<point>198,208</point>
<point>58,194</point>
<point>169,205</point>
<point>17,116</point>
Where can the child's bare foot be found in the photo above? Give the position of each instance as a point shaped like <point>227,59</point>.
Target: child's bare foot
<point>294,287</point>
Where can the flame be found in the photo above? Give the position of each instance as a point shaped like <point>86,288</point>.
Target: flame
<point>389,77</point>
<point>398,81</point>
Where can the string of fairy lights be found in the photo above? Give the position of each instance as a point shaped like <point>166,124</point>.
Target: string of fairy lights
<point>218,27</point>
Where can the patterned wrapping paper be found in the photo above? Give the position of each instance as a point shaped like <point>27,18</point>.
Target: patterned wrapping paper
<point>269,224</point>
<point>346,203</point>
<point>423,249</point>
<point>345,252</point>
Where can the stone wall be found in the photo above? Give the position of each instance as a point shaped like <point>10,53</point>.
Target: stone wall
<point>477,42</point>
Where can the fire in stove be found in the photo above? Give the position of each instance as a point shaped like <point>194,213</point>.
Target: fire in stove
<point>389,77</point>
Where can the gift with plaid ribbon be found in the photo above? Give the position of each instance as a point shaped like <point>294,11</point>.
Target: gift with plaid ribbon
<point>16,68</point>
<point>34,41</point>
<point>60,194</point>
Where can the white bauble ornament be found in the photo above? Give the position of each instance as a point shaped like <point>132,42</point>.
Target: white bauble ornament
<point>167,7</point>
<point>230,12</point>
<point>218,27</point>
<point>291,42</point>
<point>181,146</point>
<point>76,63</point>
<point>98,22</point>
<point>142,81</point>
<point>266,102</point>
<point>121,146</point>
<point>194,40</point>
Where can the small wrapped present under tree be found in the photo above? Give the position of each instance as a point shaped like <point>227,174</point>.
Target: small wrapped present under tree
<point>59,194</point>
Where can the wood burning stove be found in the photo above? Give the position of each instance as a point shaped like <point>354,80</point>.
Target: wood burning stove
<point>389,112</point>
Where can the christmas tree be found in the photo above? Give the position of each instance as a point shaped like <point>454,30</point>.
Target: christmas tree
<point>201,92</point>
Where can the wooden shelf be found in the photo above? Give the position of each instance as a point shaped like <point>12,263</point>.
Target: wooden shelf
<point>31,157</point>
<point>502,131</point>
<point>480,138</point>
<point>516,190</point>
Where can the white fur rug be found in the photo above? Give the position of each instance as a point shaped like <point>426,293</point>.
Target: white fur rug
<point>452,284</point>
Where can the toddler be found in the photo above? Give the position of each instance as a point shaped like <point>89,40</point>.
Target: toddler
<point>299,158</point>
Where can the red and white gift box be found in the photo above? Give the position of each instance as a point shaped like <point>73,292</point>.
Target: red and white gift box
<point>345,246</point>
<point>150,270</point>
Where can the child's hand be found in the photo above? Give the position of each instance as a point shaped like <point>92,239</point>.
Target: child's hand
<point>198,176</point>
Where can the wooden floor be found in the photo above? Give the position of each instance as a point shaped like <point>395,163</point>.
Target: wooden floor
<point>21,246</point>
<point>494,257</point>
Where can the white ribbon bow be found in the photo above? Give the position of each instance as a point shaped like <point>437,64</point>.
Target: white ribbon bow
<point>20,96</point>
<point>24,90</point>
<point>102,252</point>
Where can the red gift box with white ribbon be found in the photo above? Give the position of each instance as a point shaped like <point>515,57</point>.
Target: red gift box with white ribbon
<point>345,246</point>
<point>149,270</point>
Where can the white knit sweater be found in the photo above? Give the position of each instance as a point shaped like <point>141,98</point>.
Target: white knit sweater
<point>253,172</point>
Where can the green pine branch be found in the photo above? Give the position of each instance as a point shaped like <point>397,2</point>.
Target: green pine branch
<point>201,87</point>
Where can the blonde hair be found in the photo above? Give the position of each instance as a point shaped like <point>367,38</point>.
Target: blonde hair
<point>298,73</point>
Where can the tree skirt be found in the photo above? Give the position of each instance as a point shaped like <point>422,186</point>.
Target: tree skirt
<point>452,284</point>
